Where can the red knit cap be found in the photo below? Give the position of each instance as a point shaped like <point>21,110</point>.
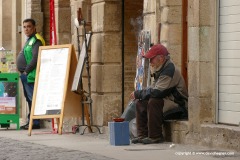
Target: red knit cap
<point>155,50</point>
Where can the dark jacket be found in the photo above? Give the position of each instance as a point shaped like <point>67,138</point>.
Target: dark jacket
<point>169,85</point>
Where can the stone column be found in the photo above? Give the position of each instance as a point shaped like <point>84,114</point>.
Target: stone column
<point>34,10</point>
<point>63,21</point>
<point>202,64</point>
<point>6,29</point>
<point>16,22</point>
<point>106,50</point>
<point>150,10</point>
<point>171,30</point>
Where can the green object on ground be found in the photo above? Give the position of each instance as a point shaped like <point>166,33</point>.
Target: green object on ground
<point>9,113</point>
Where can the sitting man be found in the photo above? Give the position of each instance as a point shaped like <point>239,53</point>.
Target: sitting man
<point>167,94</point>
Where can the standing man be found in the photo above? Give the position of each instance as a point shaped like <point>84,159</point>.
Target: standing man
<point>166,96</point>
<point>27,63</point>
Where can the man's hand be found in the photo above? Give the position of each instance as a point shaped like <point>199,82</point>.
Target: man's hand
<point>132,96</point>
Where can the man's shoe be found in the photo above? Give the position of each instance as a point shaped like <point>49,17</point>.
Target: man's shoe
<point>152,140</point>
<point>25,127</point>
<point>137,140</point>
<point>36,127</point>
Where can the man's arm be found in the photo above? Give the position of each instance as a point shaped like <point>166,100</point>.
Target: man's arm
<point>160,90</point>
<point>32,65</point>
<point>21,62</point>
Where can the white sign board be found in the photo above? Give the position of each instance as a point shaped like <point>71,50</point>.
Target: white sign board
<point>51,80</point>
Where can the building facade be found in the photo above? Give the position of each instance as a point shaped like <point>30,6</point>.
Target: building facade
<point>201,36</point>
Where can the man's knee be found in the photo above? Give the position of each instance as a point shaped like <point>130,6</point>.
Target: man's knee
<point>156,101</point>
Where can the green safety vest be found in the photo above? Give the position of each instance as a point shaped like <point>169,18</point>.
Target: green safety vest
<point>28,55</point>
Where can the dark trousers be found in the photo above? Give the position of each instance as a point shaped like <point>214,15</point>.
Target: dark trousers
<point>149,117</point>
<point>28,93</point>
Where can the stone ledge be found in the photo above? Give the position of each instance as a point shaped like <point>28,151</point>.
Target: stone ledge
<point>222,126</point>
<point>222,136</point>
<point>211,135</point>
<point>175,130</point>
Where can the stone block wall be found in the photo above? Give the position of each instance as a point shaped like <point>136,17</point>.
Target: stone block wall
<point>106,63</point>
<point>10,19</point>
<point>34,10</point>
<point>202,61</point>
<point>164,19</point>
<point>46,19</point>
<point>63,22</point>
<point>171,30</point>
<point>6,25</point>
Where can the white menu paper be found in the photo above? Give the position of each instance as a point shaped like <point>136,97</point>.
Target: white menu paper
<point>52,73</point>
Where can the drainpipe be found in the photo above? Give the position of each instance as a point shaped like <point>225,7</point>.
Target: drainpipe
<point>122,56</point>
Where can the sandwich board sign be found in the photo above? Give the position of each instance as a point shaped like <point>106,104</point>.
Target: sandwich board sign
<point>52,97</point>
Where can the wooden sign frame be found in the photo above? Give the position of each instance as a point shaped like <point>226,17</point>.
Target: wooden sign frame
<point>52,97</point>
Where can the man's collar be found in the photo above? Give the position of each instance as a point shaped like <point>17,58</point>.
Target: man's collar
<point>163,65</point>
<point>31,36</point>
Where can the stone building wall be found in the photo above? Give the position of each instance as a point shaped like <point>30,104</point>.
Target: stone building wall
<point>106,50</point>
<point>46,20</point>
<point>171,31</point>
<point>164,19</point>
<point>202,61</point>
<point>63,21</point>
<point>6,23</point>
<point>16,27</point>
<point>10,20</point>
<point>34,10</point>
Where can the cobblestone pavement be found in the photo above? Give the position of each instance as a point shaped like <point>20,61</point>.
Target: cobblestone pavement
<point>19,150</point>
<point>43,145</point>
